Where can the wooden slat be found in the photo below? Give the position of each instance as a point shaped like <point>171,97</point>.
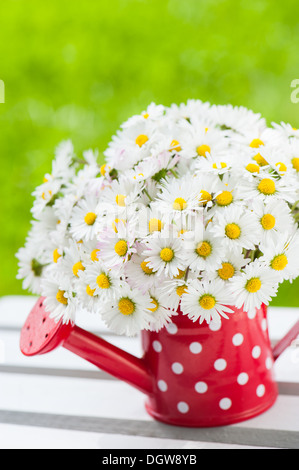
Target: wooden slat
<point>30,437</point>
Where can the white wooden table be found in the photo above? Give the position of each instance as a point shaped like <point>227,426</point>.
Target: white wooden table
<point>58,400</point>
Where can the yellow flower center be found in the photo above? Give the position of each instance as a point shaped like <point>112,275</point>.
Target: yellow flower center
<point>207,302</point>
<point>145,115</point>
<point>90,291</point>
<point>203,149</point>
<point>94,255</point>
<point>141,140</point>
<point>279,262</point>
<point>266,187</point>
<point>252,168</point>
<point>205,197</point>
<point>156,305</point>
<point>180,275</point>
<point>281,166</point>
<point>268,221</point>
<point>90,218</point>
<point>253,285</point>
<point>46,195</point>
<point>260,160</point>
<point>256,143</point>
<point>145,268</point>
<point>175,145</point>
<point>103,281</point>
<point>295,163</point>
<point>126,306</point>
<point>222,165</point>
<point>227,271</point>
<point>204,249</point>
<point>121,248</point>
<point>104,168</point>
<point>232,231</point>
<point>167,254</point>
<point>180,290</point>
<point>114,224</point>
<point>56,255</point>
<point>60,297</point>
<point>224,199</point>
<point>78,267</point>
<point>179,204</point>
<point>120,200</point>
<point>155,225</point>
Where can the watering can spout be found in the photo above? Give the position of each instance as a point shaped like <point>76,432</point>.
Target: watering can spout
<point>41,334</point>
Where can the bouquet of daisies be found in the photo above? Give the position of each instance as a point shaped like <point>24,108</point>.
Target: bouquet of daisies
<point>195,207</point>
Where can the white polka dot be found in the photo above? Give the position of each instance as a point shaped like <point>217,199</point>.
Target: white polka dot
<point>238,339</point>
<point>264,324</point>
<point>177,368</point>
<point>256,352</point>
<point>225,403</point>
<point>242,378</point>
<point>172,328</point>
<point>251,314</point>
<point>201,387</point>
<point>183,407</point>
<point>260,391</point>
<point>215,325</point>
<point>220,364</point>
<point>162,385</point>
<point>195,348</point>
<point>157,346</point>
<point>269,363</point>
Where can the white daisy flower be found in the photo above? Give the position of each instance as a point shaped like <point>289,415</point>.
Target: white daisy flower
<point>164,255</point>
<point>177,199</point>
<point>85,219</point>
<point>116,246</point>
<point>102,281</point>
<point>237,118</point>
<point>129,312</point>
<point>59,299</point>
<point>62,164</point>
<point>206,301</point>
<point>281,256</point>
<point>237,228</point>
<point>139,274</point>
<point>286,130</point>
<point>172,291</point>
<point>120,194</point>
<point>266,186</point>
<point>274,218</point>
<point>160,315</point>
<point>232,264</point>
<point>202,250</point>
<point>202,141</point>
<point>153,112</point>
<point>44,196</point>
<point>255,286</point>
<point>74,259</point>
<point>31,265</point>
<point>87,298</point>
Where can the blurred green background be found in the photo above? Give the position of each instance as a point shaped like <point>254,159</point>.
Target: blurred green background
<point>77,70</point>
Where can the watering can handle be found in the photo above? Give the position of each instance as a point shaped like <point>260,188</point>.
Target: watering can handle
<point>286,341</point>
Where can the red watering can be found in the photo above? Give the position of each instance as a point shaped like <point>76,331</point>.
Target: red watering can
<point>193,375</point>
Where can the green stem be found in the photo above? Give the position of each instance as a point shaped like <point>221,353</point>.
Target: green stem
<point>146,192</point>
